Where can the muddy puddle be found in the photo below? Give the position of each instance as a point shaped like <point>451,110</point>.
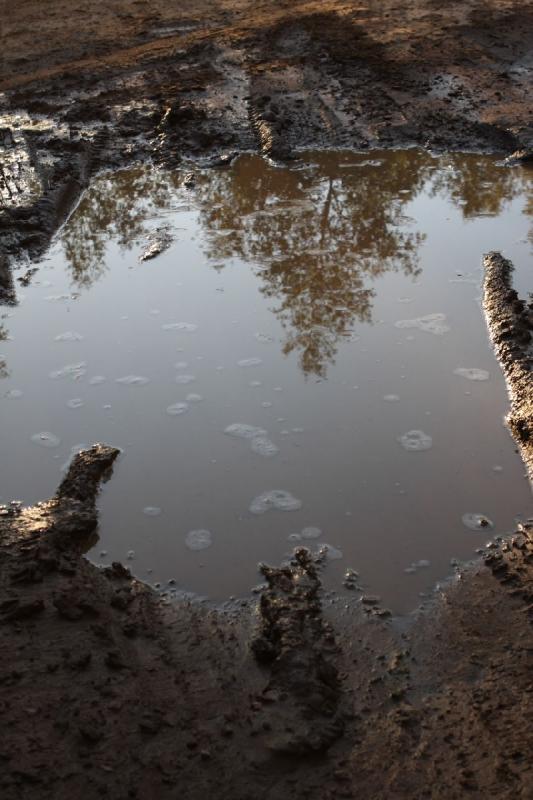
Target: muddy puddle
<point>304,362</point>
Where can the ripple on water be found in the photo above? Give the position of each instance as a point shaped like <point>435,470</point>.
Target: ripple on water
<point>199,540</point>
<point>46,439</point>
<point>177,408</point>
<point>133,380</point>
<point>477,522</point>
<point>278,499</point>
<point>472,373</point>
<point>431,323</point>
<point>416,441</point>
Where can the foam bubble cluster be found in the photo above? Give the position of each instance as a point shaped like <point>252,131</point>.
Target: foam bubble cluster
<point>472,373</point>
<point>431,323</point>
<point>199,540</point>
<point>277,499</point>
<point>416,441</point>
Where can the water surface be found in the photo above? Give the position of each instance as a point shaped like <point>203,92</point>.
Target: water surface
<point>306,364</point>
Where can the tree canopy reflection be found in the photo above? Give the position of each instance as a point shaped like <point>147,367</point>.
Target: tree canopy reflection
<point>318,234</point>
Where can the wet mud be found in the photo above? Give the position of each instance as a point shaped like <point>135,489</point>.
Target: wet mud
<point>107,689</point>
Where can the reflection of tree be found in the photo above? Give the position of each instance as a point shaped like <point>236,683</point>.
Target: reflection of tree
<point>116,206</point>
<point>318,235</point>
<point>4,372</point>
<point>478,186</point>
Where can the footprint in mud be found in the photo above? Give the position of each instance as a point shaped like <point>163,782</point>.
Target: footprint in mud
<point>416,441</point>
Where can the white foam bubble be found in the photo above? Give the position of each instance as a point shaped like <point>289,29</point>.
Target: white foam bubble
<point>249,362</point>
<point>391,398</point>
<point>199,540</point>
<point>472,373</point>
<point>263,447</point>
<point>264,338</point>
<point>152,511</point>
<point>13,394</point>
<point>431,323</point>
<point>96,380</point>
<point>74,371</point>
<point>133,380</point>
<point>181,365</point>
<point>68,336</point>
<point>46,439</point>
<point>182,327</point>
<point>194,398</point>
<point>311,533</point>
<point>177,408</point>
<point>76,402</point>
<point>185,379</point>
<point>416,441</point>
<point>278,499</point>
<point>243,431</point>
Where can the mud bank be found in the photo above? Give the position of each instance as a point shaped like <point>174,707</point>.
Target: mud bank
<point>83,90</point>
<point>108,689</point>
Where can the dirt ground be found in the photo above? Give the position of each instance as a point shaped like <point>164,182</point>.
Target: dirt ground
<point>108,690</point>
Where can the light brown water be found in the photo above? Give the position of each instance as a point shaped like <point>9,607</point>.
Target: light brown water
<point>334,306</point>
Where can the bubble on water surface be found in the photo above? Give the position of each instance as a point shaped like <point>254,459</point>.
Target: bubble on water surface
<point>255,384</point>
<point>243,431</point>
<point>76,402</point>
<point>194,398</point>
<point>416,441</point>
<point>133,380</point>
<point>431,323</point>
<point>46,439</point>
<point>311,533</point>
<point>472,373</point>
<point>181,364</point>
<point>96,380</point>
<point>249,362</point>
<point>477,522</point>
<point>266,404</point>
<point>152,511</point>
<point>263,447</point>
<point>278,499</point>
<point>177,408</point>
<point>74,371</point>
<point>13,394</point>
<point>264,338</point>
<point>184,379</point>
<point>183,327</point>
<point>68,336</point>
<point>391,398</point>
<point>199,540</point>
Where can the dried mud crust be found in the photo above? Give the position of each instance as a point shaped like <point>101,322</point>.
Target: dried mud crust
<point>102,84</point>
<point>109,690</point>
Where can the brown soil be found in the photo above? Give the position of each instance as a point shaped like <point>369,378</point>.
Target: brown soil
<point>106,689</point>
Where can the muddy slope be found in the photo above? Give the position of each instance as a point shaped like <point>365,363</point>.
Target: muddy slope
<point>106,690</point>
<point>85,88</point>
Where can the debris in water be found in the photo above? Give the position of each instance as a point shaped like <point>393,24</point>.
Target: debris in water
<point>198,540</point>
<point>416,441</point>
<point>278,499</point>
<point>159,241</point>
<point>477,522</point>
<point>472,373</point>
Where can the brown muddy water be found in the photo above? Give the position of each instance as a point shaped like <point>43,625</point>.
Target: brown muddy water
<point>313,330</point>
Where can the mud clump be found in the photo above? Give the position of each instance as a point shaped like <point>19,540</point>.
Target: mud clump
<point>299,649</point>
